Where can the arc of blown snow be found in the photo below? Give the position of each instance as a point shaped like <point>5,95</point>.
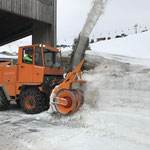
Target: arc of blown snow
<point>96,11</point>
<point>93,16</point>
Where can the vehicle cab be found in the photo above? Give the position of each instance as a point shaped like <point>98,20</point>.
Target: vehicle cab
<point>39,64</point>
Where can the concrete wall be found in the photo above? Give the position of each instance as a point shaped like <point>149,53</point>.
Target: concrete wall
<point>20,18</point>
<point>42,10</point>
<point>42,33</point>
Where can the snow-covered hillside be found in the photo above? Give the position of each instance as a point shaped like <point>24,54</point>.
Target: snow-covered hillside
<point>7,56</point>
<point>13,47</point>
<point>134,49</point>
<point>137,45</point>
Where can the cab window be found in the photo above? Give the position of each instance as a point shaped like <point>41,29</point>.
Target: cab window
<point>52,58</point>
<point>27,55</point>
<point>38,56</point>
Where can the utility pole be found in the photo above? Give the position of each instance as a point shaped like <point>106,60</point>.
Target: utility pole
<point>135,27</point>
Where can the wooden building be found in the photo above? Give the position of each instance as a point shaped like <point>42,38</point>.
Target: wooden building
<point>20,18</point>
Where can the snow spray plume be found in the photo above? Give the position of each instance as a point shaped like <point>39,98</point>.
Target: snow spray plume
<point>83,39</point>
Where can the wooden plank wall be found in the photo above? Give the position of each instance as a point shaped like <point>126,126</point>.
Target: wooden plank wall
<point>42,10</point>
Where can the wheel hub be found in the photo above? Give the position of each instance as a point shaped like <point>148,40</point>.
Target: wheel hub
<point>69,102</point>
<point>31,102</point>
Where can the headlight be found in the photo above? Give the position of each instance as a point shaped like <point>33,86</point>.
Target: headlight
<point>64,75</point>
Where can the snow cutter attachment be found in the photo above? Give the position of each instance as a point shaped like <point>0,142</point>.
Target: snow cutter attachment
<point>67,97</point>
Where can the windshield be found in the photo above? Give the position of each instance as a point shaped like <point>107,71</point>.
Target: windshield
<point>52,58</point>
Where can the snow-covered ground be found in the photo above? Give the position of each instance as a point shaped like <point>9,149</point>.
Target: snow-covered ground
<point>115,116</point>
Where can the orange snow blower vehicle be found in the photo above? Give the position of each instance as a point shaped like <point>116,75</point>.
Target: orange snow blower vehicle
<point>37,82</point>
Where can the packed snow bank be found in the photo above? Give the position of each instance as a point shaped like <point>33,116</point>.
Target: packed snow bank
<point>134,49</point>
<point>137,45</point>
<point>119,58</point>
<point>118,101</point>
<point>115,115</point>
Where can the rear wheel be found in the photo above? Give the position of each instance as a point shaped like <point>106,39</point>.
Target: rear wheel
<point>32,101</point>
<point>4,103</point>
<point>46,100</point>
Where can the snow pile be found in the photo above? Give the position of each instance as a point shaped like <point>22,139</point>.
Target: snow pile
<point>115,115</point>
<point>123,101</point>
<point>133,46</point>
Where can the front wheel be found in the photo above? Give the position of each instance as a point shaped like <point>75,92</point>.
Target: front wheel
<point>32,101</point>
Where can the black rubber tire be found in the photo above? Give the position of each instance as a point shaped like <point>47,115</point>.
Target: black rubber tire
<point>4,103</point>
<point>18,103</point>
<point>82,96</point>
<point>38,98</point>
<point>46,101</point>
